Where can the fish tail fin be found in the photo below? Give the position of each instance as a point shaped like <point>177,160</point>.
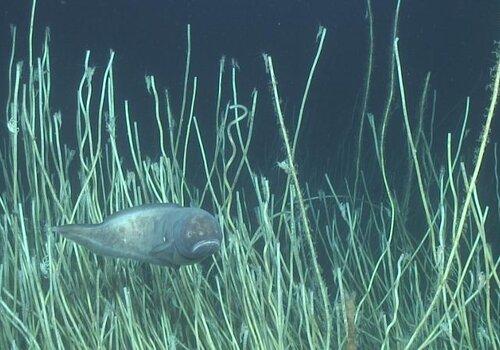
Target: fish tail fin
<point>72,231</point>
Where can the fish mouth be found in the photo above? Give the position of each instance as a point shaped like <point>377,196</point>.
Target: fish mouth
<point>205,247</point>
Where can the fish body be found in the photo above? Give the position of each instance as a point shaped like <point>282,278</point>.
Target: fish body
<point>162,234</point>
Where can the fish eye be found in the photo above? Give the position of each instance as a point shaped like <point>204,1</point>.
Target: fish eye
<point>189,234</point>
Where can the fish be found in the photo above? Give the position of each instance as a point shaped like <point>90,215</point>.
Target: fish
<point>165,234</point>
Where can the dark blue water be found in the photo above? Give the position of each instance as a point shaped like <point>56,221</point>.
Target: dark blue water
<point>453,40</point>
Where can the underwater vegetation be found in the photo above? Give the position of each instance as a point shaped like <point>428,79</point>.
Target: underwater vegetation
<point>333,269</point>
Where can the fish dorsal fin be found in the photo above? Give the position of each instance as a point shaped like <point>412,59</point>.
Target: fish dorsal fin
<point>139,208</point>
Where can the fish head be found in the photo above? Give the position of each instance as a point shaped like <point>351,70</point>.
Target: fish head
<point>197,235</point>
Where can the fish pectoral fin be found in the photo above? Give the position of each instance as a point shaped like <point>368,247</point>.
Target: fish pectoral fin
<point>172,266</point>
<point>162,252</point>
<point>161,248</point>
